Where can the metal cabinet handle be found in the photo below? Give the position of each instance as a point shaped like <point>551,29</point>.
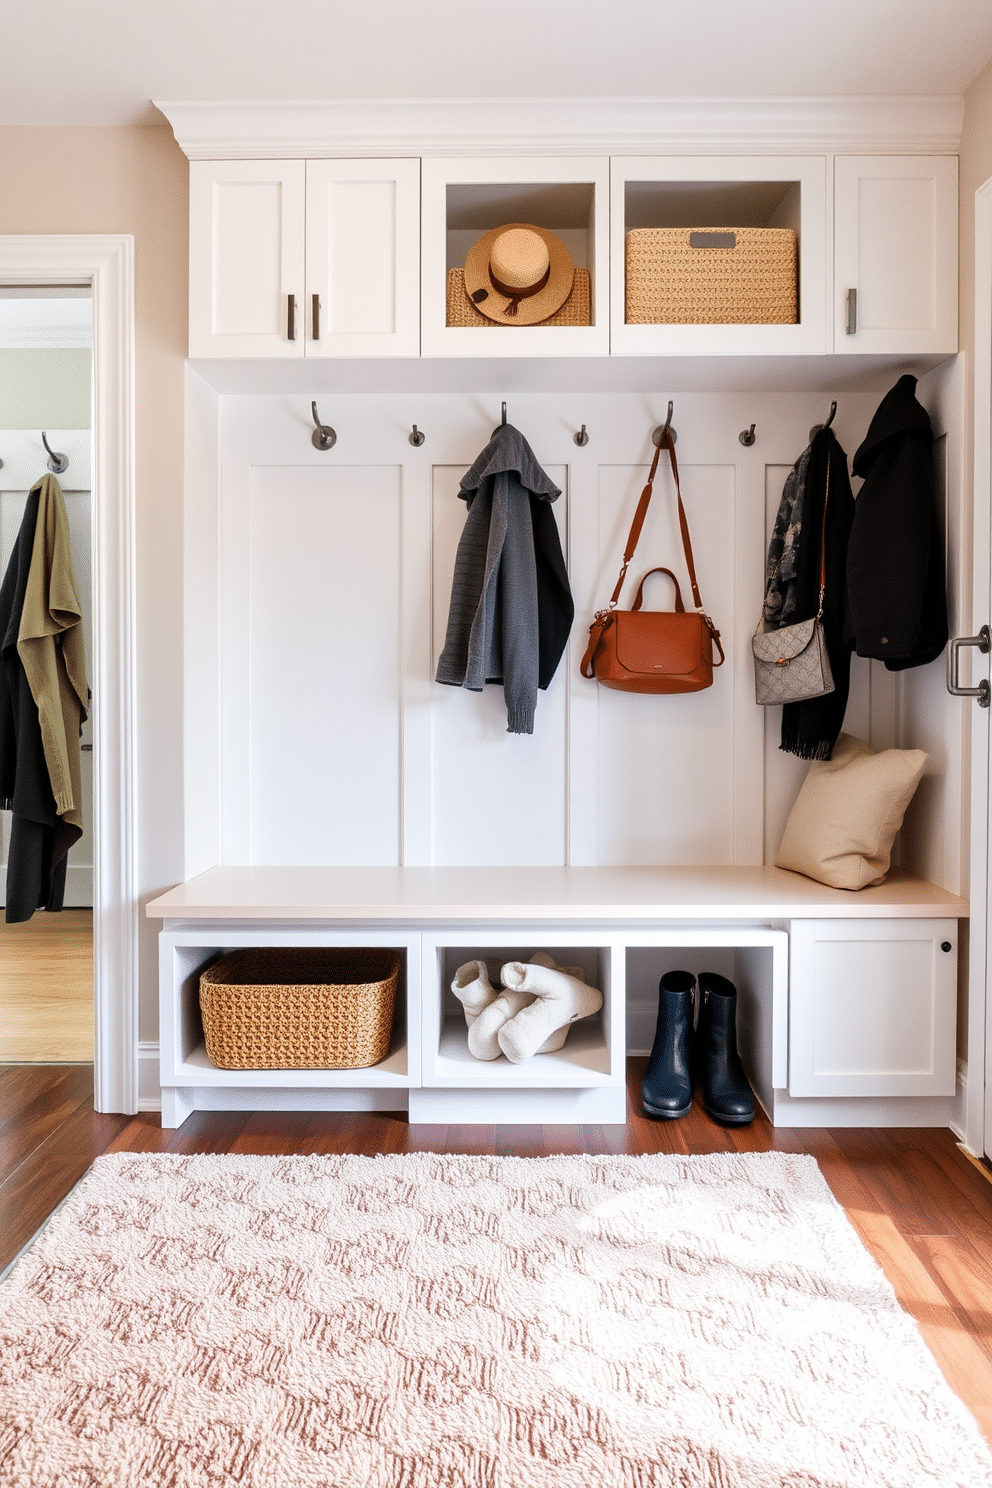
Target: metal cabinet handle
<point>315,318</point>
<point>852,312</point>
<point>291,318</point>
<point>983,692</point>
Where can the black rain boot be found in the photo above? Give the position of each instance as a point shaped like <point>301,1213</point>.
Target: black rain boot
<point>667,1087</point>
<point>727,1095</point>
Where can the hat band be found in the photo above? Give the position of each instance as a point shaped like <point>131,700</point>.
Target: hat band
<point>516,295</point>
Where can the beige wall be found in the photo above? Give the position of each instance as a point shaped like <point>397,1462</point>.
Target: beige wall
<point>134,180</point>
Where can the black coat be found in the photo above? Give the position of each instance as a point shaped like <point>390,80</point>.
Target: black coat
<point>896,597</point>
<point>39,838</point>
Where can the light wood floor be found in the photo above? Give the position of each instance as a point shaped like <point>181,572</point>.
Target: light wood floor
<point>46,988</point>
<point>920,1205</point>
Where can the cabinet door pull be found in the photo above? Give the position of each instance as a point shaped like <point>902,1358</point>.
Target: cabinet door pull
<point>291,318</point>
<point>315,316</point>
<point>852,312</point>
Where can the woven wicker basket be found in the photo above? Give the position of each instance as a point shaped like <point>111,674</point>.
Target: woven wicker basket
<point>299,1007</point>
<point>576,310</point>
<point>711,276</point>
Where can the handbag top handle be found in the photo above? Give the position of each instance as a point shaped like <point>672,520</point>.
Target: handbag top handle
<point>639,596</point>
<point>638,522</point>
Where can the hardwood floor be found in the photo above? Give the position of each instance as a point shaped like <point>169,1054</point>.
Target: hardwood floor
<point>920,1205</point>
<point>46,988</point>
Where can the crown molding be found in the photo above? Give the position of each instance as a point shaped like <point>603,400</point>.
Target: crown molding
<point>286,129</point>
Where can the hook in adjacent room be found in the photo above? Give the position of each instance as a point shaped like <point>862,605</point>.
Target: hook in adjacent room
<point>57,463</point>
<point>323,436</point>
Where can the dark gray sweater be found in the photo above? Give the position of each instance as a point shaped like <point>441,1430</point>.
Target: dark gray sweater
<point>511,607</point>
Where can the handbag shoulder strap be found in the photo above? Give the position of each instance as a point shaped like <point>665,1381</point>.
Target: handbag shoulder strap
<point>639,515</point>
<point>823,541</point>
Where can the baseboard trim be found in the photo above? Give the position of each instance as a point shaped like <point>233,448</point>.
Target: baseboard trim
<point>149,1086</point>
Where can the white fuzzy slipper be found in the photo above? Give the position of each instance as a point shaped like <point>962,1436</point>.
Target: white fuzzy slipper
<point>474,990</point>
<point>559,999</point>
<point>483,1032</point>
<point>483,1041</point>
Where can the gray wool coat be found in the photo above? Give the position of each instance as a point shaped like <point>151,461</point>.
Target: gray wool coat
<point>509,581</point>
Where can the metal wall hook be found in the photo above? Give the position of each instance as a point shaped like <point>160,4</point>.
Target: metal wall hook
<point>323,436</point>
<point>665,428</point>
<point>417,437</point>
<point>502,421</point>
<point>582,437</point>
<point>830,418</point>
<point>746,436</point>
<point>57,463</point>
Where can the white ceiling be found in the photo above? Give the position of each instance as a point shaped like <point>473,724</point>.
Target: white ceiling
<point>101,62</point>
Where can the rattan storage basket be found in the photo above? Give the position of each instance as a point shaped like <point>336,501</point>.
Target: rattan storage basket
<point>299,1007</point>
<point>576,311</point>
<point>711,276</point>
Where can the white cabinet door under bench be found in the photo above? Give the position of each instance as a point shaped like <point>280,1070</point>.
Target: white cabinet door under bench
<point>872,1007</point>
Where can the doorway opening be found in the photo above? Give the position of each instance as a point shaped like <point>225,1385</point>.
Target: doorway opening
<point>106,264</point>
<point>46,395</point>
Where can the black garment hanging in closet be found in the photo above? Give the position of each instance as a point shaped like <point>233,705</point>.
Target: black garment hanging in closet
<point>896,587</point>
<point>810,728</point>
<point>39,838</point>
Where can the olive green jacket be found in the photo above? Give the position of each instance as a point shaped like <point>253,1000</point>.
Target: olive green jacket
<point>50,645</point>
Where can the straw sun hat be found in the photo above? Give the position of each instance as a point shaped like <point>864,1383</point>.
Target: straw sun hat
<point>518,274</point>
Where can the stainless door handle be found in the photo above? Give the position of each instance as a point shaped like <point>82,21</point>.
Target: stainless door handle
<point>983,692</point>
<point>852,312</point>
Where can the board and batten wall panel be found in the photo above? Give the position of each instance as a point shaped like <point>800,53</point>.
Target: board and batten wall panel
<point>311,664</point>
<point>667,763</point>
<point>498,798</point>
<point>323,640</point>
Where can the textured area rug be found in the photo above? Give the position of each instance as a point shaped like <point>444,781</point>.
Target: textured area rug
<point>466,1322</point>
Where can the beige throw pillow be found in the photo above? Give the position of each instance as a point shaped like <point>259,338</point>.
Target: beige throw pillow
<point>846,816</point>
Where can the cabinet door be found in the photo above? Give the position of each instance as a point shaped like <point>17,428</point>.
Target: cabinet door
<point>872,1007</point>
<point>895,226</point>
<point>246,258</point>
<point>363,258</point>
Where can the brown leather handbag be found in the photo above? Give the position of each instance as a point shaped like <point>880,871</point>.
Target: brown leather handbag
<point>639,650</point>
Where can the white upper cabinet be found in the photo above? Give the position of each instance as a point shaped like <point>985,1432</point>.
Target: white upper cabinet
<point>246,258</point>
<point>292,258</point>
<point>364,258</point>
<point>693,217</point>
<point>465,198</point>
<point>895,254</point>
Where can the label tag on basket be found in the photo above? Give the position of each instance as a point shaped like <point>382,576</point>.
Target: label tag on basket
<point>712,240</point>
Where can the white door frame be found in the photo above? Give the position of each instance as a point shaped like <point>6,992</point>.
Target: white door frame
<point>978,1111</point>
<point>107,264</point>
